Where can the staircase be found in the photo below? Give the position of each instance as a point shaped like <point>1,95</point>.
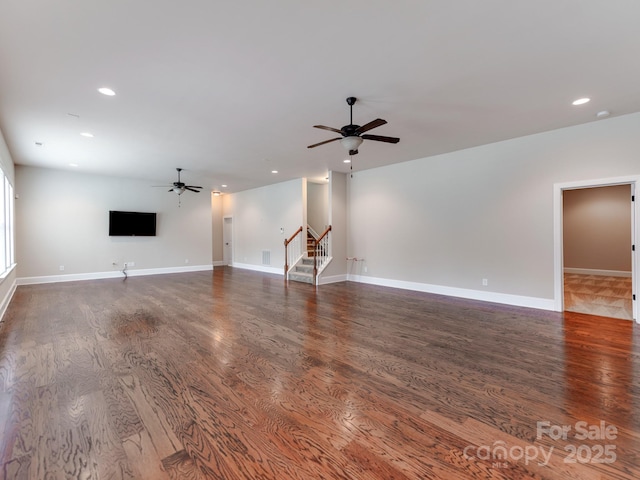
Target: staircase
<point>302,271</point>
<point>311,243</point>
<point>308,265</point>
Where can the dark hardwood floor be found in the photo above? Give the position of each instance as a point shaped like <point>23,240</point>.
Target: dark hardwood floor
<point>233,375</point>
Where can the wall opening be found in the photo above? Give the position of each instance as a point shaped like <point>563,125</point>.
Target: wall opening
<point>593,236</point>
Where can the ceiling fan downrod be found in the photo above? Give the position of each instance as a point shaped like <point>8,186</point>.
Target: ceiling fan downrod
<point>351,101</point>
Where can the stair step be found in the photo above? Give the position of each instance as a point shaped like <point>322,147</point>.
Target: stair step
<point>307,261</point>
<point>301,277</point>
<point>304,268</point>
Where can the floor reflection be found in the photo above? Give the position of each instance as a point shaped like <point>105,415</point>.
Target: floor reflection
<point>599,369</point>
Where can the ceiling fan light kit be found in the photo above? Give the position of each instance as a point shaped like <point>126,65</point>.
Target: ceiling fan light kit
<point>352,135</point>
<point>351,144</point>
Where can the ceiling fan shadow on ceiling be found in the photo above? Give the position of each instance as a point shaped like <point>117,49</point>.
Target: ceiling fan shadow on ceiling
<point>352,135</point>
<point>180,187</point>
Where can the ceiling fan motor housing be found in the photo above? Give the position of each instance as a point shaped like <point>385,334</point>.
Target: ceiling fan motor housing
<point>352,134</point>
<point>349,130</point>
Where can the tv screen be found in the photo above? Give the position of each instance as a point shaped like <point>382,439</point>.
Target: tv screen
<point>131,224</point>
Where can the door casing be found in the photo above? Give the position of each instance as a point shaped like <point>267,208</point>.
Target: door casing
<point>558,259</point>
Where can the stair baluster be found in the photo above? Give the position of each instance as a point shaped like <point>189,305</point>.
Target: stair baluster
<point>292,255</point>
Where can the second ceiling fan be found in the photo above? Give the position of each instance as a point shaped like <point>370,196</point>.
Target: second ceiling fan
<point>352,135</point>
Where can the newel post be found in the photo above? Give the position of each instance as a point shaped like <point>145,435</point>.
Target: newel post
<point>286,259</point>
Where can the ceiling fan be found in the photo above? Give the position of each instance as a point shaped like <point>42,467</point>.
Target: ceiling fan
<point>352,134</point>
<point>179,187</point>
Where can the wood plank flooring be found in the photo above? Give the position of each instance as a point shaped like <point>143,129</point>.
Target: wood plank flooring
<point>602,295</point>
<point>233,375</point>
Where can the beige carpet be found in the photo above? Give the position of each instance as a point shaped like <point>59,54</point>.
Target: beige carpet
<point>598,295</point>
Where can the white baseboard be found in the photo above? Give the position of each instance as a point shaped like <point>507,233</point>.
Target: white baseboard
<point>259,268</point>
<point>592,271</point>
<point>74,277</point>
<point>219,263</point>
<point>332,279</point>
<point>494,297</point>
<point>7,300</point>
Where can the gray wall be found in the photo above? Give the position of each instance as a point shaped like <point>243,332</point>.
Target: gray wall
<point>318,206</point>
<point>485,212</point>
<point>62,218</point>
<point>338,219</point>
<point>597,228</point>
<point>258,215</point>
<point>7,284</point>
<point>217,249</point>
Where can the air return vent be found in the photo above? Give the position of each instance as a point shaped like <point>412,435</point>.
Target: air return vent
<point>266,257</point>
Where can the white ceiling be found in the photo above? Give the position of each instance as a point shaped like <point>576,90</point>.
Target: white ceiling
<point>230,90</point>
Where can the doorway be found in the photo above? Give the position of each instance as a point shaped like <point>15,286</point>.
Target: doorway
<point>597,251</point>
<point>227,240</point>
<point>595,266</point>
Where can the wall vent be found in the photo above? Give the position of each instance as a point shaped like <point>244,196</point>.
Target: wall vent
<point>266,257</point>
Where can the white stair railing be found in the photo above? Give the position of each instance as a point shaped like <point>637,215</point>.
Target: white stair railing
<point>312,232</point>
<point>292,251</point>
<point>321,254</point>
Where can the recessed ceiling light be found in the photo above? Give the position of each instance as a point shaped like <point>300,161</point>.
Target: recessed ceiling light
<point>87,134</point>
<point>346,160</point>
<point>216,193</point>
<point>603,114</point>
<point>581,101</point>
<point>73,164</point>
<point>224,186</point>
<point>274,171</point>
<point>106,91</point>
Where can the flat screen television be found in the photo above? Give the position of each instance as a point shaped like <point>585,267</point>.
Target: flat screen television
<point>132,224</point>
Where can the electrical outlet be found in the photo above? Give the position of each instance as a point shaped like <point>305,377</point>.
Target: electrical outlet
<point>130,264</point>
<point>365,269</point>
<point>485,282</point>
<point>186,260</point>
<point>62,268</point>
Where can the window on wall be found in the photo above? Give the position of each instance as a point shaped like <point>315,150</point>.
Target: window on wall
<point>6,225</point>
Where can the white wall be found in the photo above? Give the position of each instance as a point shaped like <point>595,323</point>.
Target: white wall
<point>217,230</point>
<point>62,218</point>
<point>318,206</point>
<point>338,219</point>
<point>258,215</point>
<point>487,212</point>
<point>7,284</point>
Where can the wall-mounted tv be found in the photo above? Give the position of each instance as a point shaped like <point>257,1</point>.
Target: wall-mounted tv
<point>132,224</point>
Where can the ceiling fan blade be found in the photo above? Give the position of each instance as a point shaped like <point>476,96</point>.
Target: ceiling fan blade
<point>326,141</point>
<point>192,186</point>
<point>373,124</point>
<point>380,138</point>
<point>170,190</point>
<point>163,186</point>
<point>192,189</point>
<point>331,129</point>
